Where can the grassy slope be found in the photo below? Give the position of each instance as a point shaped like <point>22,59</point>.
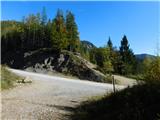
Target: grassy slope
<point>7,78</point>
<point>142,102</point>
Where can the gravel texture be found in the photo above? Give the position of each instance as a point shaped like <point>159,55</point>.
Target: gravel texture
<point>47,97</point>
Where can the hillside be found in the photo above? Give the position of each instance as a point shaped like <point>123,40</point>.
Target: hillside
<point>46,61</point>
<point>143,56</point>
<point>87,45</point>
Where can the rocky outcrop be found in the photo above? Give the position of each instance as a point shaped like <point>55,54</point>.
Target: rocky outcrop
<point>44,61</point>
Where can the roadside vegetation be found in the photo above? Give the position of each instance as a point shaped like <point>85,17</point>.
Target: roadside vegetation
<point>7,78</point>
<point>140,102</point>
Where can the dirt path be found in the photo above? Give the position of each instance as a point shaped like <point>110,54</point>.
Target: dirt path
<point>47,97</point>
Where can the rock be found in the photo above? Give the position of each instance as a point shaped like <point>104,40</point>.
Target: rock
<point>77,53</point>
<point>61,59</point>
<point>26,54</point>
<point>25,80</point>
<point>65,62</point>
<point>48,61</point>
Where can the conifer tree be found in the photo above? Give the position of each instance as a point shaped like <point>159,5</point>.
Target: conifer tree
<point>58,33</point>
<point>44,17</point>
<point>72,33</point>
<point>43,28</point>
<point>109,44</point>
<point>127,57</point>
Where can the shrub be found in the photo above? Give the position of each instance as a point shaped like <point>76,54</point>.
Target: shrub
<point>141,102</point>
<point>153,72</point>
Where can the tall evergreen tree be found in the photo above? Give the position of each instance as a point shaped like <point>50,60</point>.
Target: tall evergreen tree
<point>110,47</point>
<point>127,57</point>
<point>124,49</point>
<point>48,33</point>
<point>58,34</point>
<point>72,32</point>
<point>43,28</point>
<point>44,16</point>
<point>109,44</point>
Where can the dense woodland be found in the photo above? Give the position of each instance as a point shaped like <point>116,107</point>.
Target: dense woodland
<point>36,31</point>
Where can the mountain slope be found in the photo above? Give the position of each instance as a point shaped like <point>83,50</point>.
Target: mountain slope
<point>143,56</point>
<point>46,61</point>
<point>88,44</point>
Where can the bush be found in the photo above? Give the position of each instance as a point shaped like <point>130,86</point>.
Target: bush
<point>141,102</point>
<point>153,72</point>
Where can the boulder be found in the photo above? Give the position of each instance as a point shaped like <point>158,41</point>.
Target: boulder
<point>25,80</point>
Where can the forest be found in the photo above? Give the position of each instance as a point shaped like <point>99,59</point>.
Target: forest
<point>36,31</point>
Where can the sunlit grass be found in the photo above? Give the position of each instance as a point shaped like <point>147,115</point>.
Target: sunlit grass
<point>7,78</point>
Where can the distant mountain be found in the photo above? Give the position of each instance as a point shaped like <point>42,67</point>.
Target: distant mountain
<point>143,56</point>
<point>87,45</point>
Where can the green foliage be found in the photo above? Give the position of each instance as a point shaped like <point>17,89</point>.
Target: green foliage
<point>7,78</point>
<point>92,55</point>
<point>141,102</point>
<point>127,58</point>
<point>153,71</point>
<point>58,34</point>
<point>44,17</point>
<point>11,30</point>
<point>146,63</point>
<point>107,66</point>
<point>36,31</point>
<point>30,34</point>
<point>110,60</point>
<point>109,44</point>
<point>72,33</point>
<point>116,60</point>
<point>101,56</point>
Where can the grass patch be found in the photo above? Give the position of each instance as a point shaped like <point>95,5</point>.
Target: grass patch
<point>141,102</point>
<point>7,78</point>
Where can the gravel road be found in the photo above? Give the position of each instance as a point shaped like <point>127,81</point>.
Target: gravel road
<point>47,97</point>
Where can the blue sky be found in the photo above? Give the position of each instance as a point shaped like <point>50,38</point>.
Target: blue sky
<point>96,21</point>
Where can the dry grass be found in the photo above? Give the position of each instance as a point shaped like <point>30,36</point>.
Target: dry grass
<point>7,78</point>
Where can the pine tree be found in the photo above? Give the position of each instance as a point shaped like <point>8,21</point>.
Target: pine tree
<point>48,33</point>
<point>72,33</point>
<point>109,44</point>
<point>58,33</point>
<point>110,47</point>
<point>124,49</point>
<point>111,56</point>
<point>127,57</point>
<point>43,28</point>
<point>44,17</point>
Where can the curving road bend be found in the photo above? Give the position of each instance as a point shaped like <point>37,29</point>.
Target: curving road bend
<point>47,97</point>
